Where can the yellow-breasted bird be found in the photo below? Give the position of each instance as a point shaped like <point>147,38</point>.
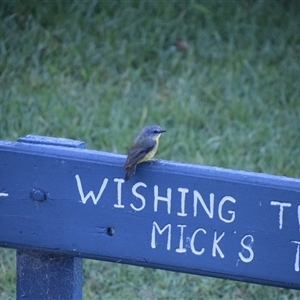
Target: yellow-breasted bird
<point>143,148</point>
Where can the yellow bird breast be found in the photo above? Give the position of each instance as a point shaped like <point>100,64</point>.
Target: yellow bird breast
<point>152,152</point>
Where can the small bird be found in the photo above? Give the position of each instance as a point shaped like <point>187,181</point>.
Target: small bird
<point>143,148</point>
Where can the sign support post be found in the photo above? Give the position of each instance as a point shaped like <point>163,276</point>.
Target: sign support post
<point>46,275</point>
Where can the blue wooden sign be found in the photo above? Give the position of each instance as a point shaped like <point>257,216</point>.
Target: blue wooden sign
<point>186,218</point>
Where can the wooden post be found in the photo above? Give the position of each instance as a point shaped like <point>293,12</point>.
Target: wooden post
<point>48,275</point>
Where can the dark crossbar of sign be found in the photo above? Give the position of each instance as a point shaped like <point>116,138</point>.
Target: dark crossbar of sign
<point>186,218</point>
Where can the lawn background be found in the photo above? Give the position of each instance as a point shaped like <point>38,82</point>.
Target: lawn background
<point>99,71</point>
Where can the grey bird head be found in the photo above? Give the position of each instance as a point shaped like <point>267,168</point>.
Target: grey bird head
<point>152,131</point>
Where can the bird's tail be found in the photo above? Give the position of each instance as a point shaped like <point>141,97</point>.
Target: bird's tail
<point>129,171</point>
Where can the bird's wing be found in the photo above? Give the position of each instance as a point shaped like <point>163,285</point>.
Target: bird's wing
<point>138,151</point>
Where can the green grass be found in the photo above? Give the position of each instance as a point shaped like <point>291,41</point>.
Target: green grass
<point>100,71</point>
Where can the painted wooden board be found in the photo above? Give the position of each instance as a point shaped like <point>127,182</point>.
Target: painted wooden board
<point>186,218</point>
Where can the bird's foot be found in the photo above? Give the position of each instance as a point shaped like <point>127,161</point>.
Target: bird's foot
<point>153,161</point>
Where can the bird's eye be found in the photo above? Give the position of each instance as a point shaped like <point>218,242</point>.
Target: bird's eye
<point>155,131</point>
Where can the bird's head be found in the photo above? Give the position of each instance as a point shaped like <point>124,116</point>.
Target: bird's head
<point>153,131</point>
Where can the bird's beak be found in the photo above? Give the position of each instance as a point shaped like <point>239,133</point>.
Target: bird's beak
<point>162,131</point>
